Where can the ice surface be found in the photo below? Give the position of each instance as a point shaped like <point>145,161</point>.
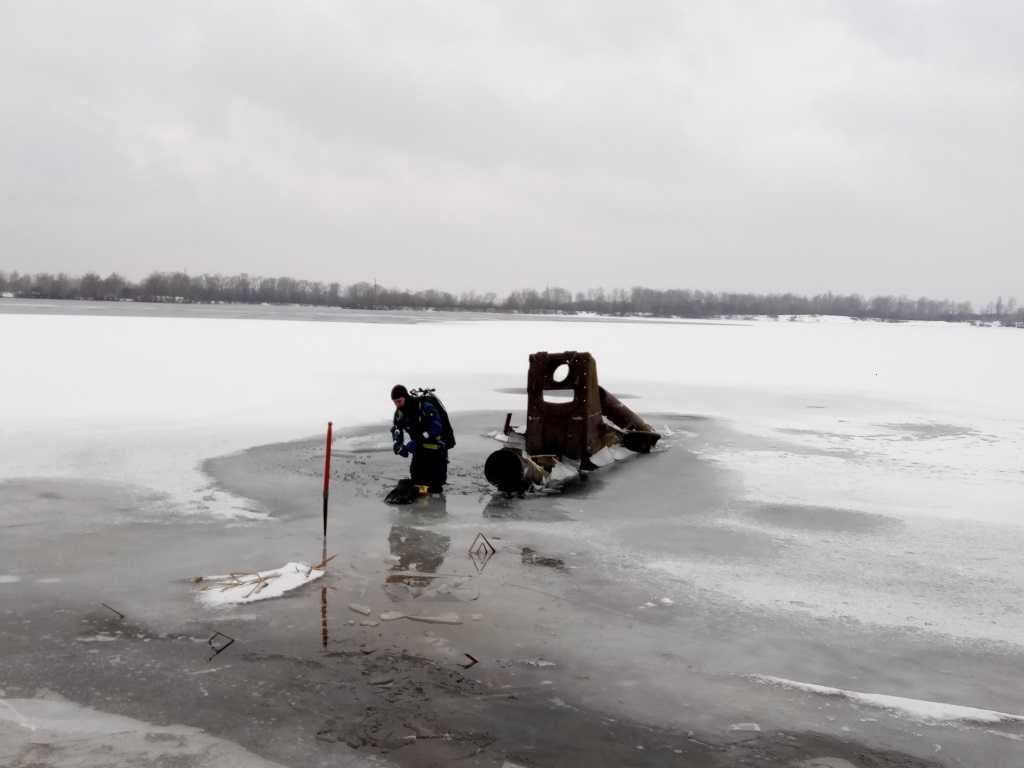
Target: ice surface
<point>917,709</point>
<point>236,588</point>
<point>144,400</point>
<point>85,738</point>
<point>364,443</point>
<point>916,423</point>
<point>921,467</point>
<point>609,455</point>
<point>952,577</point>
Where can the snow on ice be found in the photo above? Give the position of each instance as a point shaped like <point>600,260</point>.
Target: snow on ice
<point>146,399</point>
<point>120,741</point>
<point>916,709</point>
<point>237,588</point>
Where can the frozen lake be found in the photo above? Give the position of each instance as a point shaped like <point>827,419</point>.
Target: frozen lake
<point>881,464</point>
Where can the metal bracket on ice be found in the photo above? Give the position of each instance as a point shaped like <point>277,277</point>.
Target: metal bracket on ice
<point>119,614</point>
<point>218,648</point>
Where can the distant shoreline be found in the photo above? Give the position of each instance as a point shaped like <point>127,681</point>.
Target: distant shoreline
<point>636,301</point>
<point>312,313</point>
<point>400,314</point>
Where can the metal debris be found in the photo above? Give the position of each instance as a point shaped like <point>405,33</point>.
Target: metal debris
<point>119,614</point>
<point>444,618</point>
<point>217,649</point>
<point>530,556</point>
<point>750,727</point>
<point>322,565</point>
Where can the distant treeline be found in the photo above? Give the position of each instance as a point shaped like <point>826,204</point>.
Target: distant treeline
<point>179,287</point>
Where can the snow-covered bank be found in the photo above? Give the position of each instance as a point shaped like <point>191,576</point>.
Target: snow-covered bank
<point>915,709</point>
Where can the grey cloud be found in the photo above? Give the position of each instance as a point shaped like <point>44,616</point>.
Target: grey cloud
<point>844,145</point>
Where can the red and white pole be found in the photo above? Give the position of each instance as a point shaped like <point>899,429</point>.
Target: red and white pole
<point>327,473</point>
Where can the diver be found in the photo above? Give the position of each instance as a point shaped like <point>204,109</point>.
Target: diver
<point>423,418</point>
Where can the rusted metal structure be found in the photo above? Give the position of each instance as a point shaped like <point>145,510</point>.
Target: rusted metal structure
<point>574,429</point>
<point>570,429</point>
<point>637,434</point>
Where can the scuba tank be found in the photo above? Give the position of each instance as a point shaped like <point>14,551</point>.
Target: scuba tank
<point>427,395</point>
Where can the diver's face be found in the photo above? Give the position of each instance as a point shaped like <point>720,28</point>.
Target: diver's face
<point>399,403</point>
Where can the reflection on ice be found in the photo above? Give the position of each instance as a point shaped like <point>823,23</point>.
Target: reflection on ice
<point>417,551</point>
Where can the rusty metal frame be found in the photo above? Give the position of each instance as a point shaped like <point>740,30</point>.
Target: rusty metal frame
<point>569,429</point>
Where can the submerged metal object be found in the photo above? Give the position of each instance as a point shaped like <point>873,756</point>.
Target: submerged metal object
<point>637,434</point>
<point>509,470</point>
<point>571,428</point>
<point>567,428</point>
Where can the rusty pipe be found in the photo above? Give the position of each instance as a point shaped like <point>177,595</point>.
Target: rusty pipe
<point>638,435</point>
<point>510,471</point>
<point>620,414</point>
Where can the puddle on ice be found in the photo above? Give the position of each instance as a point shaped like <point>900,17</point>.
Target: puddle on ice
<point>930,430</point>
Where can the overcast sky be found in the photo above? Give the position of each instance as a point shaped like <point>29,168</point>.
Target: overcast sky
<point>870,146</point>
